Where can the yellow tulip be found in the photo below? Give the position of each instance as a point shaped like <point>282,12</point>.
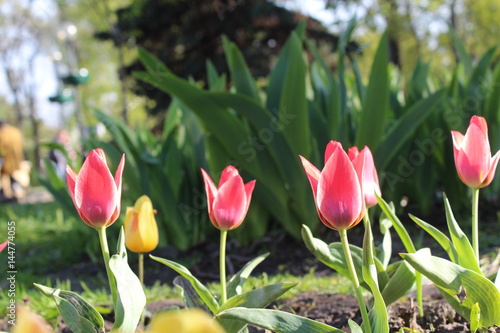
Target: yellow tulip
<point>141,231</point>
<point>184,321</point>
<point>29,322</point>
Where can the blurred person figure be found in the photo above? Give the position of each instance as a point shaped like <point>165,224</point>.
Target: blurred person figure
<point>11,155</point>
<point>59,155</point>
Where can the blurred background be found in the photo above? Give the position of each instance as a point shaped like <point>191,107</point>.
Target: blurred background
<point>180,85</point>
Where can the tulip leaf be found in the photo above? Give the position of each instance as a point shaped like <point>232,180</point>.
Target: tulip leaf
<point>355,328</point>
<point>189,294</point>
<point>376,101</point>
<point>465,253</point>
<point>497,280</point>
<point>402,130</point>
<point>240,74</point>
<point>378,313</point>
<point>131,298</point>
<point>215,81</point>
<point>396,223</point>
<point>257,298</point>
<point>400,283</point>
<point>276,321</point>
<point>327,91</point>
<point>475,318</point>
<point>462,53</point>
<point>235,284</point>
<point>451,278</point>
<point>333,256</point>
<point>439,236</point>
<point>80,316</point>
<point>492,107</point>
<point>202,291</point>
<point>385,248</point>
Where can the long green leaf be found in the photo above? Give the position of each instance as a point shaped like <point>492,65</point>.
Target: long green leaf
<point>476,85</point>
<point>276,321</point>
<point>80,316</point>
<point>293,101</point>
<point>492,108</point>
<point>333,256</point>
<point>378,313</point>
<point>465,253</point>
<point>131,298</point>
<point>202,291</point>
<point>327,90</point>
<point>374,115</point>
<point>219,122</point>
<point>400,284</point>
<point>451,278</point>
<point>439,236</point>
<point>398,226</point>
<point>257,298</point>
<point>189,294</point>
<point>463,55</point>
<point>235,284</point>
<point>403,129</point>
<point>276,79</point>
<point>240,74</point>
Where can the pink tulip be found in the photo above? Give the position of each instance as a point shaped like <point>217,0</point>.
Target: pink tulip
<point>367,173</point>
<point>228,204</point>
<point>95,192</point>
<point>475,166</point>
<point>337,191</point>
<point>3,245</point>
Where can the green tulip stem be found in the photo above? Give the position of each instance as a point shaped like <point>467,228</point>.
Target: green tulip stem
<point>355,281</point>
<point>475,223</point>
<point>141,268</point>
<point>141,278</point>
<point>222,265</point>
<point>105,254</point>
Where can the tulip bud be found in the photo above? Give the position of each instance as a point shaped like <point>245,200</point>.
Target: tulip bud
<point>475,166</point>
<point>3,245</point>
<point>228,204</point>
<point>29,322</point>
<point>141,231</point>
<point>184,321</point>
<point>367,173</point>
<point>336,189</point>
<point>95,192</point>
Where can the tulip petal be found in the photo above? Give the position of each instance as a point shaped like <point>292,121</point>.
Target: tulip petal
<point>339,195</point>
<point>474,157</point>
<point>230,204</point>
<point>228,173</point>
<point>313,174</point>
<point>95,191</point>
<point>71,177</point>
<point>458,139</point>
<point>211,191</point>
<point>493,168</point>
<point>367,173</point>
<point>481,124</point>
<point>330,148</point>
<point>248,191</point>
<point>118,182</point>
<point>353,152</point>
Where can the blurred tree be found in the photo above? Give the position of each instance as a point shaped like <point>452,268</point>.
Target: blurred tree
<point>184,34</point>
<point>24,37</point>
<point>419,29</point>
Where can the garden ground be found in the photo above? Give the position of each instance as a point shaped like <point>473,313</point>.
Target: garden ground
<point>321,295</point>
